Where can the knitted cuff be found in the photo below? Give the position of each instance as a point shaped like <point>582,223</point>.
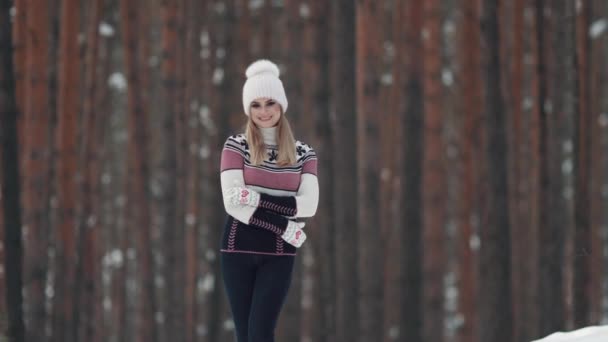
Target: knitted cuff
<point>282,205</point>
<point>264,219</point>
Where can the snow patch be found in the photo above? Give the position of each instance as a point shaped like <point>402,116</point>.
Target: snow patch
<point>106,30</point>
<point>447,77</point>
<point>597,28</point>
<point>304,11</point>
<point>386,79</point>
<point>603,119</point>
<point>117,81</point>
<point>229,325</point>
<point>587,334</point>
<point>218,76</point>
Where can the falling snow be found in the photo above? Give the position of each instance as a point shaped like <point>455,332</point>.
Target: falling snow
<point>105,29</point>
<point>207,284</point>
<point>474,242</point>
<point>218,76</point>
<point>597,28</point>
<point>255,4</point>
<point>228,325</point>
<point>304,11</point>
<point>190,220</point>
<point>386,79</point>
<point>603,119</point>
<point>447,77</point>
<point>117,81</point>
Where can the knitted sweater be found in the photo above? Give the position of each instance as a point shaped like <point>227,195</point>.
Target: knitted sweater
<point>287,192</point>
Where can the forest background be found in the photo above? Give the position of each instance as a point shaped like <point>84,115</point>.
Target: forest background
<point>462,150</point>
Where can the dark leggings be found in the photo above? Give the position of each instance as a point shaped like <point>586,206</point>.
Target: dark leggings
<point>256,285</point>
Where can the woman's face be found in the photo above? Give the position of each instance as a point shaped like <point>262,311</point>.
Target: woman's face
<point>265,112</point>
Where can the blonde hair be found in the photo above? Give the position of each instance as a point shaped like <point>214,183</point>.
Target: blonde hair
<point>285,141</point>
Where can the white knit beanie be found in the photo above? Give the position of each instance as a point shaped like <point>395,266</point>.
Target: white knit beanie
<point>263,81</point>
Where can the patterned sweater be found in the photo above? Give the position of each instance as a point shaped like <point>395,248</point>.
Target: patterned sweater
<point>288,192</point>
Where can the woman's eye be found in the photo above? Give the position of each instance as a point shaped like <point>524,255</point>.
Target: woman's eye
<point>255,105</point>
<point>270,103</point>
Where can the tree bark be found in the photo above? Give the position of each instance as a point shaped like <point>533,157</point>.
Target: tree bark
<point>138,213</point>
<point>65,317</point>
<point>88,291</point>
<point>345,188</point>
<point>584,255</point>
<point>36,168</point>
<point>495,280</point>
<point>471,106</point>
<point>433,176</point>
<point>368,54</point>
<point>10,183</point>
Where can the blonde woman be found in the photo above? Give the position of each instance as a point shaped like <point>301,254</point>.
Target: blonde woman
<point>269,179</point>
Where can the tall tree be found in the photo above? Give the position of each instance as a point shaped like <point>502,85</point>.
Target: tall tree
<point>584,280</point>
<point>556,89</point>
<point>345,183</point>
<point>88,275</point>
<point>10,182</point>
<point>410,89</point>
<point>318,320</point>
<point>36,167</point>
<point>191,133</point>
<point>137,172</point>
<point>494,287</point>
<point>368,54</point>
<point>433,191</point>
<point>597,79</point>
<point>471,107</point>
<point>64,327</point>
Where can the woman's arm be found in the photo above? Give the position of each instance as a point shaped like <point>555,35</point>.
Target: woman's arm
<point>303,204</point>
<point>231,177</point>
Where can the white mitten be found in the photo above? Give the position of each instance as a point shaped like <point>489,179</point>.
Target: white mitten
<point>243,196</point>
<point>294,235</point>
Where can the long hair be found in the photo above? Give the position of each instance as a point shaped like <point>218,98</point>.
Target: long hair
<point>285,141</point>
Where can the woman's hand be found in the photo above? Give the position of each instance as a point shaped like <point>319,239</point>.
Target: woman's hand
<point>242,196</point>
<point>294,235</point>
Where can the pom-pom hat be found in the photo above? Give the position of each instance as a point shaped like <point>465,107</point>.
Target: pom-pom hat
<point>263,81</point>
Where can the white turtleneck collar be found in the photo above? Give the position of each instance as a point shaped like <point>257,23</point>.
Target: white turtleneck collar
<point>270,135</point>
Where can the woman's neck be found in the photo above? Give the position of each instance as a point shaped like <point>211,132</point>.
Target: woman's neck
<point>270,135</point>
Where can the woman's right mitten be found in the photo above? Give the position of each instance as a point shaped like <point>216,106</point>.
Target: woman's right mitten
<point>294,235</point>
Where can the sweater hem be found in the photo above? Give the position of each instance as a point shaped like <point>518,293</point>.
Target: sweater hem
<point>254,252</point>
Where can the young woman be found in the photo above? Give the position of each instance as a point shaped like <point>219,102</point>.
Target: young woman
<point>268,180</point>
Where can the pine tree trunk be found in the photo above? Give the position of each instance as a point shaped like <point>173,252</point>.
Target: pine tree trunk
<point>64,316</point>
<point>471,106</point>
<point>433,185</point>
<point>556,44</point>
<point>89,292</point>
<point>411,216</point>
<point>10,222</point>
<point>597,58</point>
<point>368,54</point>
<point>495,281</point>
<point>344,190</point>
<point>584,255</point>
<point>138,213</point>
<point>36,168</point>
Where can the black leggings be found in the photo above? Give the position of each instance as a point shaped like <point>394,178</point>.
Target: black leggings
<point>256,285</point>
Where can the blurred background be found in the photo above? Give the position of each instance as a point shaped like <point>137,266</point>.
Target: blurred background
<point>462,152</point>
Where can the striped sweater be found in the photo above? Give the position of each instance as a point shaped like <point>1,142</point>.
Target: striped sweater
<point>289,192</point>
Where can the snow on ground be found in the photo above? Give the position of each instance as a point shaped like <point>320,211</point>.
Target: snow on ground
<point>588,334</point>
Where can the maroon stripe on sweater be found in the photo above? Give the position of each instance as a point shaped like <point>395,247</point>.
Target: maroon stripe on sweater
<point>231,160</point>
<point>310,167</point>
<point>289,181</point>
